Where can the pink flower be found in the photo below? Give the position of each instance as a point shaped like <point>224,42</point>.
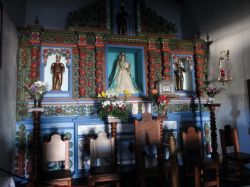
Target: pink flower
<point>211,92</point>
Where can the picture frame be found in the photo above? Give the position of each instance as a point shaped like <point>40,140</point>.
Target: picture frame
<point>165,87</point>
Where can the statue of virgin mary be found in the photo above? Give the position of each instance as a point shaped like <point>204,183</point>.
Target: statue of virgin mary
<point>122,77</point>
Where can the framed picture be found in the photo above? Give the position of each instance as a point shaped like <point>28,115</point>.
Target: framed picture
<point>56,71</point>
<point>125,69</point>
<point>165,87</point>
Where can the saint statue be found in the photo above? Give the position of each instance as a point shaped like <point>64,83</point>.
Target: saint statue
<point>178,72</point>
<point>121,19</point>
<point>57,69</point>
<point>122,77</point>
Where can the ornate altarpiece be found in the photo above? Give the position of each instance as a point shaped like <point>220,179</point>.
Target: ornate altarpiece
<point>86,52</point>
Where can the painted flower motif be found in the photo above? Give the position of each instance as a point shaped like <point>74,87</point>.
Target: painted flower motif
<point>58,110</point>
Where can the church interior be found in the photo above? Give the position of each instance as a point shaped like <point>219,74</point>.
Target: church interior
<point>125,93</point>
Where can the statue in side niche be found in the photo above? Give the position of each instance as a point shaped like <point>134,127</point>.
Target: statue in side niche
<point>179,77</point>
<point>57,70</point>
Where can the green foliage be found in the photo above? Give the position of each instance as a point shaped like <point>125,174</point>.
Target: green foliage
<point>115,110</point>
<point>110,105</point>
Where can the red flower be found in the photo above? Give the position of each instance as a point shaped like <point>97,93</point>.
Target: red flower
<point>154,92</point>
<point>163,100</point>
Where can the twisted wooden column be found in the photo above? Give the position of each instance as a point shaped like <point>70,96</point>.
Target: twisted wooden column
<point>35,43</point>
<point>213,128</point>
<point>36,145</point>
<point>200,67</point>
<point>113,124</point>
<point>113,129</point>
<point>99,73</point>
<point>161,118</point>
<point>82,73</point>
<point>99,65</point>
<point>166,64</point>
<point>82,45</point>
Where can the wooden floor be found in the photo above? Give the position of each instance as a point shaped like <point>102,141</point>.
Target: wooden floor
<point>128,180</point>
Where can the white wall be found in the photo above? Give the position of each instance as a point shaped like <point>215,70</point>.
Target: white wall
<point>51,14</point>
<point>16,10</point>
<point>228,25</point>
<point>8,94</point>
<point>169,9</point>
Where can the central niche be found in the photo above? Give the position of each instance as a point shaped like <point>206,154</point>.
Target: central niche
<point>128,75</point>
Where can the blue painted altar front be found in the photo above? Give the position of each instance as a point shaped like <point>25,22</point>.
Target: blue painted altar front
<point>80,128</point>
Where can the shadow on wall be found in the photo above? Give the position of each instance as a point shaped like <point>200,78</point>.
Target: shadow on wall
<point>235,112</point>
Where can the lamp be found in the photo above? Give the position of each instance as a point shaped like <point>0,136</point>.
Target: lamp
<point>225,73</point>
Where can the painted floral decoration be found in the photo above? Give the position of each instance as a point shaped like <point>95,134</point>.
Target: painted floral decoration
<point>212,91</point>
<point>111,105</point>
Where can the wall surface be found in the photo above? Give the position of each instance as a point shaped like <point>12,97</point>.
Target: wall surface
<point>228,25</point>
<point>8,94</point>
<point>169,9</point>
<point>16,10</point>
<point>51,14</point>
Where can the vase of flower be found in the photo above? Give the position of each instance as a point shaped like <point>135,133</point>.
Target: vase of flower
<point>211,93</point>
<point>210,100</point>
<point>112,108</point>
<point>162,111</point>
<point>37,89</point>
<point>37,101</point>
<point>112,119</point>
<point>159,102</point>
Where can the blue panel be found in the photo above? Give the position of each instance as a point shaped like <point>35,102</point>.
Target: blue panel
<point>80,127</point>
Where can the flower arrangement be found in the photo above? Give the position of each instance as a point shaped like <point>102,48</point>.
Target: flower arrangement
<point>111,105</point>
<point>162,101</point>
<point>37,89</point>
<point>211,92</point>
